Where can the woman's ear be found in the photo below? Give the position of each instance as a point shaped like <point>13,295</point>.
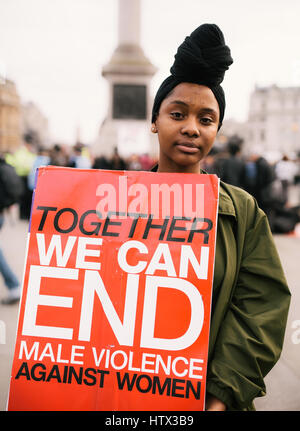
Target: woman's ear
<point>153,128</point>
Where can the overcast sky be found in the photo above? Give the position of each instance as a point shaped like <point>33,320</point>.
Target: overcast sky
<point>54,51</point>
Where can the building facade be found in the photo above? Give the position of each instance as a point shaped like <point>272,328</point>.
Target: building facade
<point>273,124</point>
<point>35,124</point>
<point>274,119</point>
<point>10,116</point>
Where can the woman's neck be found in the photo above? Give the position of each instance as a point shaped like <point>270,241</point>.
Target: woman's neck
<point>192,169</point>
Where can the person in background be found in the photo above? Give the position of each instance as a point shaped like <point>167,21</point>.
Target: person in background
<point>10,278</point>
<point>146,162</point>
<point>42,159</point>
<point>22,160</point>
<point>101,162</point>
<point>260,181</point>
<point>80,158</point>
<point>133,163</point>
<point>231,169</point>
<point>58,156</point>
<point>11,187</point>
<point>286,171</point>
<point>117,162</point>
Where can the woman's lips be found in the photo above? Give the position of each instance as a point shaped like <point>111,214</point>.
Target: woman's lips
<point>187,147</point>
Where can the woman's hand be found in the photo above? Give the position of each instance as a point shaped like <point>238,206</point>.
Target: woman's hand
<point>213,404</point>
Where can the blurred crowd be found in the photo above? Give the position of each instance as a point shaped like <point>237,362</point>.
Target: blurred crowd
<point>268,182</point>
<point>26,159</point>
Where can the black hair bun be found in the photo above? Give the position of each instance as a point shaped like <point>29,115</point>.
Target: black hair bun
<point>203,56</point>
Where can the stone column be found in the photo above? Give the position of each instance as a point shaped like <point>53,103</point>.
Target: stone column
<point>129,72</point>
<point>129,27</point>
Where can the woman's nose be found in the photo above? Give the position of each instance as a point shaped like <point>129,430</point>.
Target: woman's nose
<point>190,127</point>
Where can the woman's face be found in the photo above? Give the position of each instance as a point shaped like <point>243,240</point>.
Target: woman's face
<point>187,125</point>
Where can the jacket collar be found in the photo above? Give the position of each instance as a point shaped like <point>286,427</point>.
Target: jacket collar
<point>226,206</point>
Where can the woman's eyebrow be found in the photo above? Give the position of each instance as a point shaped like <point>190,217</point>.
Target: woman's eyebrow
<point>178,102</point>
<point>209,111</point>
<point>206,110</point>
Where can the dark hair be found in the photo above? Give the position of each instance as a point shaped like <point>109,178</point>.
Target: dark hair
<point>202,59</point>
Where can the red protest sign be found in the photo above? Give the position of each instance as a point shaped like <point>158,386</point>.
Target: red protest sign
<point>116,299</point>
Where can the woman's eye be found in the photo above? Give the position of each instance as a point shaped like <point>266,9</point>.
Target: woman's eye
<point>177,115</point>
<point>205,120</point>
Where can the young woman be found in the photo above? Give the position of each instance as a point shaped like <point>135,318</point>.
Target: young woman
<point>250,295</point>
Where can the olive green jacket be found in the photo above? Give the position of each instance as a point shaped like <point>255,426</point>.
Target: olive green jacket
<point>250,302</point>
